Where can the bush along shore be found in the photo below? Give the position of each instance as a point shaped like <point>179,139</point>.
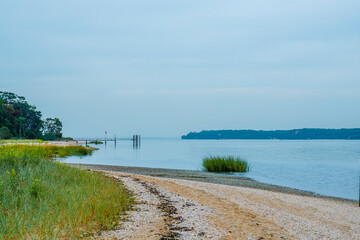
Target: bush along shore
<point>41,198</point>
<point>96,142</point>
<point>225,164</point>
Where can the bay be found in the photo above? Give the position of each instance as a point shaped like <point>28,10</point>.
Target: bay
<point>327,167</point>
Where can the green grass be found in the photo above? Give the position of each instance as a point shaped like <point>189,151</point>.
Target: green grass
<point>44,199</point>
<point>225,164</point>
<point>96,142</point>
<point>22,141</point>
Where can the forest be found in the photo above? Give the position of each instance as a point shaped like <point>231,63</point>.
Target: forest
<point>20,120</point>
<point>305,133</point>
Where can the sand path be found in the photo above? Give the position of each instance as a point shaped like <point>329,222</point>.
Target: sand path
<point>182,209</point>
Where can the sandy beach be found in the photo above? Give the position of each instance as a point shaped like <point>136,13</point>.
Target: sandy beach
<point>173,208</point>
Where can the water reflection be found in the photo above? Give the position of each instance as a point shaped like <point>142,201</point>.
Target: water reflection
<point>136,141</point>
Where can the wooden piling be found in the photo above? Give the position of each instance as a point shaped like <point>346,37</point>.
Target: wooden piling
<point>136,141</point>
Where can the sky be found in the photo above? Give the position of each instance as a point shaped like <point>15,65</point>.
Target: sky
<point>165,68</point>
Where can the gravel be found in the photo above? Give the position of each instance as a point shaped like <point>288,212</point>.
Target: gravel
<point>169,206</point>
<point>201,176</point>
<point>160,214</point>
<point>303,217</point>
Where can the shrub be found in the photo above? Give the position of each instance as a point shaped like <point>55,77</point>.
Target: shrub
<point>96,142</point>
<point>225,164</point>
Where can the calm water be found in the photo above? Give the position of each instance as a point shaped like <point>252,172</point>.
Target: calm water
<point>328,167</point>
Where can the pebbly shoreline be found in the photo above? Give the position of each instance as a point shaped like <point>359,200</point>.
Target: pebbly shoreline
<point>201,176</point>
<point>168,208</point>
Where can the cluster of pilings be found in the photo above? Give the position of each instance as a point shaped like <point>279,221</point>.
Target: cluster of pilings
<point>136,141</point>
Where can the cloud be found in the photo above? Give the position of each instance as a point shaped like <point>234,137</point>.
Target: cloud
<point>137,57</point>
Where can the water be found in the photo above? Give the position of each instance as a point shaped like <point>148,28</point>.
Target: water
<point>327,167</point>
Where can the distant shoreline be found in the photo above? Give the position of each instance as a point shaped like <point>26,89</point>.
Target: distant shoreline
<point>269,139</point>
<point>201,176</point>
<point>294,134</point>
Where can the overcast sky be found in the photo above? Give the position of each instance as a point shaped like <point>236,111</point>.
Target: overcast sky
<point>164,68</point>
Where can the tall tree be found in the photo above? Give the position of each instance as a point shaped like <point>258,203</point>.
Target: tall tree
<point>52,128</point>
<point>22,119</point>
<point>5,133</point>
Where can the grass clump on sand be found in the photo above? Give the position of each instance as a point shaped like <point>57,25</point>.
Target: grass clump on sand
<point>225,164</point>
<point>96,142</point>
<point>44,199</point>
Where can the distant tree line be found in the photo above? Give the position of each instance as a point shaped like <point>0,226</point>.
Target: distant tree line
<point>305,133</point>
<point>19,119</point>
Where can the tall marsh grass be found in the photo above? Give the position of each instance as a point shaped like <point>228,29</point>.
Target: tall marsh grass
<point>225,164</point>
<point>22,141</point>
<point>44,199</point>
<point>96,142</point>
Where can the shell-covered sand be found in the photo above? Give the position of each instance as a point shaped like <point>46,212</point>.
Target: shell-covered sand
<point>182,209</point>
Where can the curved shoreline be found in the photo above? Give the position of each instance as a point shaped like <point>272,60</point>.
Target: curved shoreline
<point>200,176</point>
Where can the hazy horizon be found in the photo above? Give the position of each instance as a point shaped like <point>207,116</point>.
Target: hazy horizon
<point>163,69</point>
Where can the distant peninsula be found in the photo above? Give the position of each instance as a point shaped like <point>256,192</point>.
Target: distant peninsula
<point>305,133</point>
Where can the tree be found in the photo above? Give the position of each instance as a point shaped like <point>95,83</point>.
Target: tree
<point>24,120</point>
<point>5,133</point>
<point>52,128</point>
<point>20,124</point>
<point>21,118</point>
<point>6,115</point>
<point>11,98</point>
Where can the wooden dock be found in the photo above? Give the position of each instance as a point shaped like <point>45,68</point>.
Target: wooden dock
<point>135,138</point>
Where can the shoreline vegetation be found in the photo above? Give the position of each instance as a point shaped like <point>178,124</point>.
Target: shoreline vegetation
<point>41,198</point>
<point>294,134</point>
<point>96,142</point>
<point>20,120</point>
<point>225,164</point>
<point>23,141</point>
